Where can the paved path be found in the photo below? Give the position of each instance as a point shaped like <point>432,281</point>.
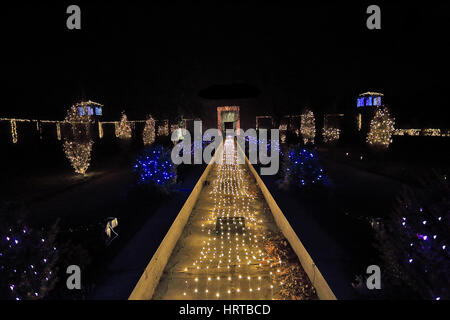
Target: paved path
<point>220,254</point>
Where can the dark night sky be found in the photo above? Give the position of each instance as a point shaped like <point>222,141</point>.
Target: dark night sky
<point>155,58</point>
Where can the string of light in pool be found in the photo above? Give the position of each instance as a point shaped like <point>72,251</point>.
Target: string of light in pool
<point>232,263</point>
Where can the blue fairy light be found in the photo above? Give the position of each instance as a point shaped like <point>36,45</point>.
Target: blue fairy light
<point>303,167</point>
<point>155,167</point>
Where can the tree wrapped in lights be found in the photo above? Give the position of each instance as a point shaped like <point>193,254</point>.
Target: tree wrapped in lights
<point>79,154</point>
<point>302,168</point>
<point>308,127</point>
<point>123,130</point>
<point>381,129</point>
<point>27,258</point>
<point>148,135</point>
<point>330,135</point>
<point>154,167</point>
<point>78,145</point>
<point>414,241</point>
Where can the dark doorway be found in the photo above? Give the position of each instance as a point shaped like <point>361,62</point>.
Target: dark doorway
<point>228,125</point>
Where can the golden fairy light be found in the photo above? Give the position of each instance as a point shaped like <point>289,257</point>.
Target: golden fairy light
<point>100,129</point>
<point>148,135</point>
<point>431,132</point>
<point>78,146</point>
<point>330,134</point>
<point>79,154</point>
<point>163,129</point>
<point>308,126</point>
<point>123,129</point>
<point>359,121</point>
<point>381,128</point>
<point>231,262</point>
<point>58,131</point>
<point>14,131</point>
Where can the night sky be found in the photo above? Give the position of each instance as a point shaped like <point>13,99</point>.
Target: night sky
<point>157,57</point>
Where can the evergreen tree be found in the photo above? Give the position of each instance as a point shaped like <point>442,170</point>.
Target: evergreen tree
<point>381,129</point>
<point>123,130</point>
<point>77,146</point>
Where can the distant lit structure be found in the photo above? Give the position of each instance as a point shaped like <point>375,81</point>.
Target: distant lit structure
<point>89,108</point>
<point>366,105</point>
<point>228,118</point>
<point>370,99</point>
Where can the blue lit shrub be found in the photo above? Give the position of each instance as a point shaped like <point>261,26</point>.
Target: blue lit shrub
<point>154,167</point>
<point>302,168</point>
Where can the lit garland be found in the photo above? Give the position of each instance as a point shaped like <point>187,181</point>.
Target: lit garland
<point>14,131</point>
<point>79,154</point>
<point>406,132</point>
<point>381,128</point>
<point>431,132</point>
<point>163,130</point>
<point>123,130</point>
<point>58,131</point>
<point>308,127</point>
<point>148,135</point>
<point>424,132</point>
<point>330,134</point>
<point>80,121</point>
<point>100,129</point>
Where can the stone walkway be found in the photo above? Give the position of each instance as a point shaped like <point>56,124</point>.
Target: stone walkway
<point>220,254</point>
